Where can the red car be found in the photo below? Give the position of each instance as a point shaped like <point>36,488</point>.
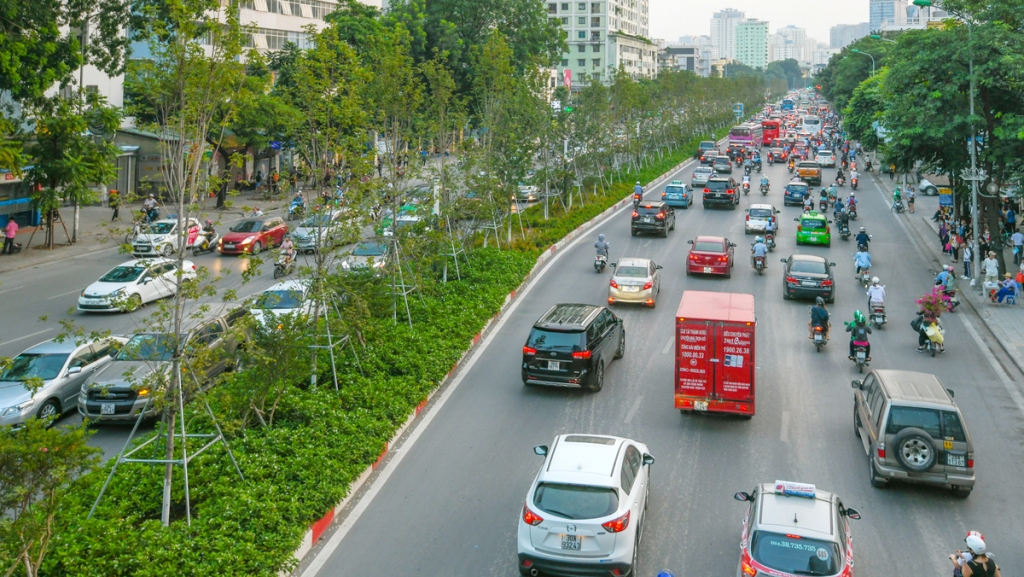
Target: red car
<point>252,235</point>
<point>710,255</point>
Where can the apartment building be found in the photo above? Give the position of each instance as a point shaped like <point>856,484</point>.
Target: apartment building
<point>603,36</point>
<point>752,43</point>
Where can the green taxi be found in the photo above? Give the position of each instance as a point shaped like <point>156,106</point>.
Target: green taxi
<point>813,229</point>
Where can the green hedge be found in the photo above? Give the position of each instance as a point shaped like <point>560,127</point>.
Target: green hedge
<point>321,441</point>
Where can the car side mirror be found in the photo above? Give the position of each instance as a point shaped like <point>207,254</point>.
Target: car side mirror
<point>113,352</point>
<point>782,260</point>
<point>742,496</point>
<point>74,370</point>
<point>541,450</point>
<point>614,264</point>
<point>658,267</point>
<point>856,384</point>
<point>830,222</point>
<point>852,513</point>
<point>796,220</point>
<point>689,242</point>
<point>950,391</point>
<point>831,264</point>
<point>648,459</point>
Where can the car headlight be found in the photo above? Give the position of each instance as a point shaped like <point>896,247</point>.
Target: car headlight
<point>118,293</point>
<point>345,265</point>
<point>19,408</point>
<point>248,240</point>
<point>158,239</point>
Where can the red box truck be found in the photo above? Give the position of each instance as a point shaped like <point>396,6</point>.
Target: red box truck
<point>715,353</point>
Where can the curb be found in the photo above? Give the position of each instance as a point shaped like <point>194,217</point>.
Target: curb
<point>320,526</point>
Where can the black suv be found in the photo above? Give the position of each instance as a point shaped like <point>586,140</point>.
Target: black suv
<point>721,191</point>
<point>707,150</point>
<point>656,217</point>
<point>570,345</point>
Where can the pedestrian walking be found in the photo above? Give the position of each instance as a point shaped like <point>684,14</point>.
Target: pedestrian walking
<point>1017,241</point>
<point>892,171</point>
<point>10,231</point>
<point>114,200</point>
<point>968,256</point>
<point>910,199</point>
<point>1011,220</point>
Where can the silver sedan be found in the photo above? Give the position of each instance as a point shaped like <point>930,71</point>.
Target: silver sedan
<point>636,280</point>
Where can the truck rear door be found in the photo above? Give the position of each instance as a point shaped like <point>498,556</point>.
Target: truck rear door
<point>734,371</point>
<point>694,372</point>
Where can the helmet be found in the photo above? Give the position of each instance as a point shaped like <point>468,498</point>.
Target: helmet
<point>208,221</point>
<point>858,317</point>
<point>875,280</point>
<point>862,229</point>
<point>975,542</point>
<point>758,239</point>
<point>819,301</point>
<point>852,195</point>
<point>638,182</point>
<point>946,267</point>
<point>600,237</point>
<point>665,573</point>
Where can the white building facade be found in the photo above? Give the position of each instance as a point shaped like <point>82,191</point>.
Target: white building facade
<point>603,36</point>
<point>843,35</point>
<point>752,43</point>
<point>723,31</point>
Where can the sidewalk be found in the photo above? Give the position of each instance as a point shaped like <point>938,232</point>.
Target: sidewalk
<point>1005,321</point>
<point>97,234</point>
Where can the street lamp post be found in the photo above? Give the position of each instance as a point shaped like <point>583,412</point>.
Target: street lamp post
<point>879,37</point>
<point>974,175</point>
<point>855,51</point>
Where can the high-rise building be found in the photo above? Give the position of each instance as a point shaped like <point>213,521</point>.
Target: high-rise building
<point>604,36</point>
<point>723,31</point>
<point>886,11</point>
<point>843,35</point>
<point>752,43</point>
<point>688,57</point>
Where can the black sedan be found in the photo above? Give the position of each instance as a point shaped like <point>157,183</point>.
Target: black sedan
<point>777,155</point>
<point>808,276</point>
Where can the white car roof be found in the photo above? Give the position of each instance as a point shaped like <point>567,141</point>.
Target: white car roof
<point>588,459</point>
<point>766,206</point>
<point>631,261</point>
<point>289,285</point>
<point>806,516</point>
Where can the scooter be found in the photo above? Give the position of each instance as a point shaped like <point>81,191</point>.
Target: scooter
<point>16,247</point>
<point>844,231</point>
<point>823,205</point>
<point>864,277</point>
<point>600,261</point>
<point>296,210</point>
<point>636,199</point>
<point>820,337</point>
<point>853,212</point>
<point>746,170</point>
<point>757,165</point>
<point>860,355</point>
<point>746,188</point>
<point>759,264</point>
<point>840,181</point>
<point>769,239</point>
<point>898,207</point>
<point>791,168</point>
<point>206,242</point>
<point>877,316</point>
<point>284,266</point>
<point>853,184</point>
<point>764,189</point>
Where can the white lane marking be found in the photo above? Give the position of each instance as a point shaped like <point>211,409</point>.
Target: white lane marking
<point>1014,393</point>
<point>7,342</point>
<point>648,243</point>
<point>374,489</point>
<point>668,346</point>
<point>633,409</point>
<point>64,294</point>
<point>11,289</point>
<point>784,436</point>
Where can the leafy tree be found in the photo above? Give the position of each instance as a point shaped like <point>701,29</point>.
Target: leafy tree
<point>866,108</point>
<point>37,468</point>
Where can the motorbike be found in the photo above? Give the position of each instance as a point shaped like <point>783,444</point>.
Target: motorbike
<point>844,231</point>
<point>16,247</point>
<point>600,261</point>
<point>820,336</point>
<point>877,315</point>
<point>823,205</point>
<point>764,189</point>
<point>853,212</point>
<point>840,181</point>
<point>898,207</point>
<point>864,277</point>
<point>206,242</point>
<point>769,239</point>
<point>296,210</point>
<point>791,167</point>
<point>853,184</point>
<point>860,355</point>
<point>746,170</point>
<point>759,264</point>
<point>135,231</point>
<point>636,200</point>
<point>284,266</point>
<point>746,188</point>
<point>757,165</point>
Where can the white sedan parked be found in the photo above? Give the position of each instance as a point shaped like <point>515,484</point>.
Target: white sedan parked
<point>130,285</point>
<point>584,513</point>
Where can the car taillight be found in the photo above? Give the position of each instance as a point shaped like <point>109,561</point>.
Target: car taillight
<point>648,285</point>
<point>529,351</point>
<point>663,195</point>
<point>531,518</point>
<point>707,190</point>
<point>693,256</point>
<point>613,284</point>
<point>730,191</point>
<point>826,283</point>
<point>581,355</point>
<point>617,525</point>
<point>970,463</point>
<point>660,216</point>
<point>747,569</point>
<point>635,214</point>
<point>791,280</point>
<point>881,451</point>
<point>723,259</point>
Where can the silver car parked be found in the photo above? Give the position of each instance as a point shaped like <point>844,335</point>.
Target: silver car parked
<point>61,368</point>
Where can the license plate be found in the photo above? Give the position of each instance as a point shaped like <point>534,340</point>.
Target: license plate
<point>700,405</point>
<point>809,283</point>
<point>708,269</point>
<point>631,289</point>
<point>229,246</point>
<point>647,219</point>
<point>553,365</point>
<point>818,337</point>
<point>107,408</point>
<point>572,542</point>
<point>861,355</point>
<point>955,460</point>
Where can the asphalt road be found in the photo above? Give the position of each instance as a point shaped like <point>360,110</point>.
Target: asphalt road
<point>36,300</point>
<point>449,504</point>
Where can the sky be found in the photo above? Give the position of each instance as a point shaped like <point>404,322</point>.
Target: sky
<point>671,19</point>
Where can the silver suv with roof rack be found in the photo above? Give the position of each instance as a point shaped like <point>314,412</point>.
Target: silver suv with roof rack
<point>912,431</point>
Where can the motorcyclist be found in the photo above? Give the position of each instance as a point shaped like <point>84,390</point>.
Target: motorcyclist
<point>287,249</point>
<point>851,203</point>
<point>897,198</point>
<point>859,331</point>
<point>764,181</point>
<point>855,175</point>
<point>946,278</point>
<point>862,259</point>
<point>808,202</point>
<point>876,293</point>
<point>976,561</point>
<point>759,249</point>
<point>840,215</point>
<point>746,183</point>
<point>602,246</point>
<point>638,193</point>
<point>208,229</point>
<point>747,166</point>
<point>832,191</point>
<point>840,177</point>
<point>297,200</point>
<point>792,163</point>
<point>150,206</point>
<point>863,238</point>
<point>769,227</point>
<point>928,320</point>
<point>819,318</point>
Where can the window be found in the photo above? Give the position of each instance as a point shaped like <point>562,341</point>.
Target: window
<point>100,350</point>
<point>597,63</point>
<point>81,359</point>
<point>925,419</point>
<point>581,62</point>
<point>582,6</point>
<point>595,48</point>
<point>842,527</point>
<point>552,8</point>
<point>565,62</point>
<point>595,36</point>
<point>595,21</point>
<point>565,20</point>
<point>575,501</point>
<point>581,20</point>
<point>581,47</point>
<point>582,35</point>
<point>209,333</point>
<point>565,6</point>
<point>627,477</point>
<point>951,427</point>
<point>595,7</point>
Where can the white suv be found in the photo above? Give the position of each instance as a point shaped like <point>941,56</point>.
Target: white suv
<point>584,512</point>
<point>825,158</point>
